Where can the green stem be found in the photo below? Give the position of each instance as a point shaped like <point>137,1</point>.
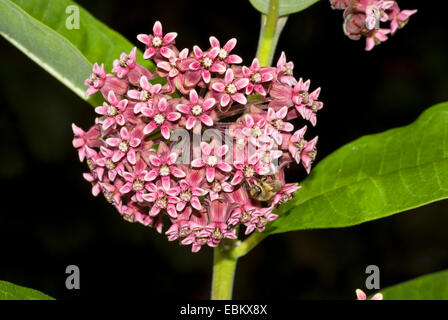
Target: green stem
<point>223,273</point>
<point>271,27</point>
<point>224,264</point>
<point>244,247</point>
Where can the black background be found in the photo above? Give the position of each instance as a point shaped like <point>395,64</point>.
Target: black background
<point>49,219</point>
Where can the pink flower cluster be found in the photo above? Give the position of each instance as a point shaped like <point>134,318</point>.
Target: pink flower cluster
<point>135,164</point>
<point>363,18</point>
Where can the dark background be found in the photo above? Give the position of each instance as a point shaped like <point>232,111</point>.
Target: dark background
<point>50,220</point>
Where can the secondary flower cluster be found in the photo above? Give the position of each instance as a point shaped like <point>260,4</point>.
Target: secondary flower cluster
<point>363,18</point>
<point>136,162</point>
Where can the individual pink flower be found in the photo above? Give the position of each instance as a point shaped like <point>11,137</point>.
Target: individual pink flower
<point>228,89</point>
<point>376,37</point>
<point>113,112</point>
<point>125,144</point>
<point>285,71</point>
<point>305,103</point>
<point>308,154</point>
<point>144,97</point>
<point>254,130</point>
<point>96,164</point>
<point>83,140</point>
<point>276,124</point>
<point>197,110</point>
<point>219,213</point>
<point>399,18</point>
<point>169,68</point>
<point>257,76</point>
<point>181,226</point>
<point>162,199</point>
<point>125,63</point>
<point>360,295</point>
<point>157,43</point>
<point>219,186</point>
<point>297,143</point>
<point>161,117</point>
<point>248,166</point>
<point>224,52</point>
<point>96,79</point>
<point>200,231</point>
<point>245,209</point>
<point>112,192</point>
<point>190,190</point>
<point>96,186</point>
<point>205,62</point>
<point>113,169</point>
<point>212,159</point>
<point>268,154</point>
<point>259,221</point>
<point>340,4</point>
<point>164,166</point>
<point>285,194</point>
<point>135,180</point>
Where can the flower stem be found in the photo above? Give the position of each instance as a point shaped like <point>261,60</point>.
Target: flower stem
<point>224,266</point>
<point>223,273</point>
<point>271,27</point>
<point>244,247</point>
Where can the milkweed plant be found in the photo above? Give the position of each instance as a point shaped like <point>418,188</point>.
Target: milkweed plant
<point>195,142</point>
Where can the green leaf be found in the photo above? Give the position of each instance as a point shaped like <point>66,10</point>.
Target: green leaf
<point>429,287</point>
<point>286,6</point>
<point>38,29</point>
<point>374,177</point>
<point>10,291</point>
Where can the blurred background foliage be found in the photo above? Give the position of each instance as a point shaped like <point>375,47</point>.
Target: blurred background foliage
<point>49,220</point>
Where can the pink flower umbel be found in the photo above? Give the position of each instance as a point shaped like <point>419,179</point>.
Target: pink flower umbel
<point>157,42</point>
<point>197,192</point>
<point>366,18</point>
<point>360,295</point>
<point>197,110</point>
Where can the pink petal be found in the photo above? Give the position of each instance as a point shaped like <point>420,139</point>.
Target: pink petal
<point>208,103</point>
<point>184,108</point>
<point>157,29</point>
<point>175,171</point>
<point>150,127</point>
<point>206,75</point>
<point>240,98</point>
<point>169,37</point>
<point>210,173</point>
<point>217,86</point>
<point>191,121</point>
<point>165,131</point>
<point>234,59</point>
<point>206,119</point>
